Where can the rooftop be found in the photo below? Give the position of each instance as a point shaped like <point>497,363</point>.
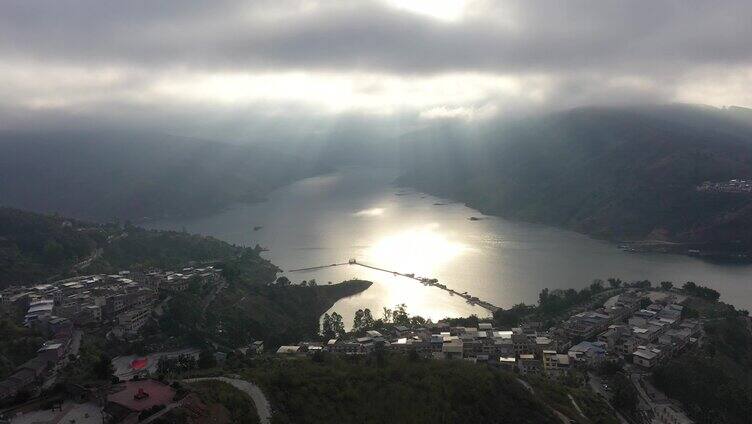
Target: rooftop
<point>141,395</point>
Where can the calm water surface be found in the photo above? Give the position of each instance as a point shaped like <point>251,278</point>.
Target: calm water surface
<point>360,214</point>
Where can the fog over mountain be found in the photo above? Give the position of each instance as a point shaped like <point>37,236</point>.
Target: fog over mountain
<point>296,69</point>
<point>284,89</point>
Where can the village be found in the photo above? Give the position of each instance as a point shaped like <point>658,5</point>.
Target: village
<point>637,327</point>
<point>621,331</point>
<point>119,305</point>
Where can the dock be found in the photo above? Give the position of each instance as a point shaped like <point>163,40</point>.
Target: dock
<point>433,282</point>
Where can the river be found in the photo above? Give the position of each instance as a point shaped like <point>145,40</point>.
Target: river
<point>356,213</point>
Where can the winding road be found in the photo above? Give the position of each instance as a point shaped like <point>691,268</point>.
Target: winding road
<point>259,399</point>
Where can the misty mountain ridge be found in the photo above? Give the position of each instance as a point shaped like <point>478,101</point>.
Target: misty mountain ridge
<point>620,173</point>
<point>115,175</point>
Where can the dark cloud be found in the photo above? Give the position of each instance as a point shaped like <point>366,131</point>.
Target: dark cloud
<point>511,36</point>
<point>577,51</point>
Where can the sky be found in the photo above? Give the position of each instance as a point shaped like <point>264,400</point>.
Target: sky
<point>237,69</point>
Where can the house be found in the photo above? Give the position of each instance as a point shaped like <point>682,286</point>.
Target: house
<point>290,350</point>
<point>132,397</point>
<point>555,364</point>
<point>612,337</point>
<point>52,351</point>
<point>508,363</point>
<point>257,347</point>
<point>400,330</point>
<point>412,344</point>
<point>38,309</point>
<point>585,325</point>
<point>452,348</point>
<point>646,358</point>
<point>130,322</point>
<point>588,353</point>
<point>529,364</point>
<point>543,343</point>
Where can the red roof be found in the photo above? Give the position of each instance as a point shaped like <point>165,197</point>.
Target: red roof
<point>132,395</point>
<point>139,363</point>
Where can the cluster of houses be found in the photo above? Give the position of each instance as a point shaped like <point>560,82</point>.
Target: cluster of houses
<point>62,342</point>
<point>121,303</point>
<point>622,329</point>
<point>731,186</point>
<point>124,300</point>
<point>619,329</point>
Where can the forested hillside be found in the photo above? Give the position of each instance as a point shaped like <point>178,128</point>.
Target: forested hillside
<point>616,173</point>
<point>133,176</point>
<point>36,247</point>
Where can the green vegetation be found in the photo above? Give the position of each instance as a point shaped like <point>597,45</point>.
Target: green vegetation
<point>35,247</point>
<point>94,364</point>
<point>702,292</point>
<point>394,389</point>
<point>557,394</point>
<point>714,381</point>
<point>276,313</point>
<point>18,344</point>
<point>615,173</point>
<point>110,176</point>
<point>238,403</point>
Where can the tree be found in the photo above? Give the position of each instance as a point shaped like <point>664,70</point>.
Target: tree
<point>625,395</point>
<point>667,285</point>
<point>543,296</point>
<point>689,286</point>
<point>54,252</point>
<point>283,281</point>
<point>206,360</point>
<point>387,315</point>
<point>368,321</point>
<point>399,315</point>
<point>615,283</point>
<point>326,327</point>
<point>596,286</point>
<point>165,366</point>
<point>337,325</point>
<point>358,320</point>
<point>103,367</point>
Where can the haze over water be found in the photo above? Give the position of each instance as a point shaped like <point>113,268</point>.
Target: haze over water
<point>360,214</point>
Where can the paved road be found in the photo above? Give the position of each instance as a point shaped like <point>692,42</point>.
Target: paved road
<point>259,399</point>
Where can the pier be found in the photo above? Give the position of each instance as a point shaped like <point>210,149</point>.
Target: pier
<point>473,300</point>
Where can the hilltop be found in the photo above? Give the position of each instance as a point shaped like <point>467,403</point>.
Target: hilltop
<point>116,176</point>
<point>615,173</point>
<point>36,247</point>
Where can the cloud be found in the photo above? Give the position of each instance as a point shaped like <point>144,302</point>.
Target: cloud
<point>437,59</point>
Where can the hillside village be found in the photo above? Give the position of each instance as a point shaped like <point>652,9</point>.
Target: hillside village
<point>118,305</point>
<point>636,328</point>
<point>621,330</point>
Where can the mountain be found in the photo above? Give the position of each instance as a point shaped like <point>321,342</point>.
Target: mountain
<point>614,173</point>
<point>107,176</point>
<point>36,247</point>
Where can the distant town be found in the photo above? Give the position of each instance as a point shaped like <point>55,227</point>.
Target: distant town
<point>731,186</point>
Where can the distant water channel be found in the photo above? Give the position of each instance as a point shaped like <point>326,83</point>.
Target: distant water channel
<point>360,214</point>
